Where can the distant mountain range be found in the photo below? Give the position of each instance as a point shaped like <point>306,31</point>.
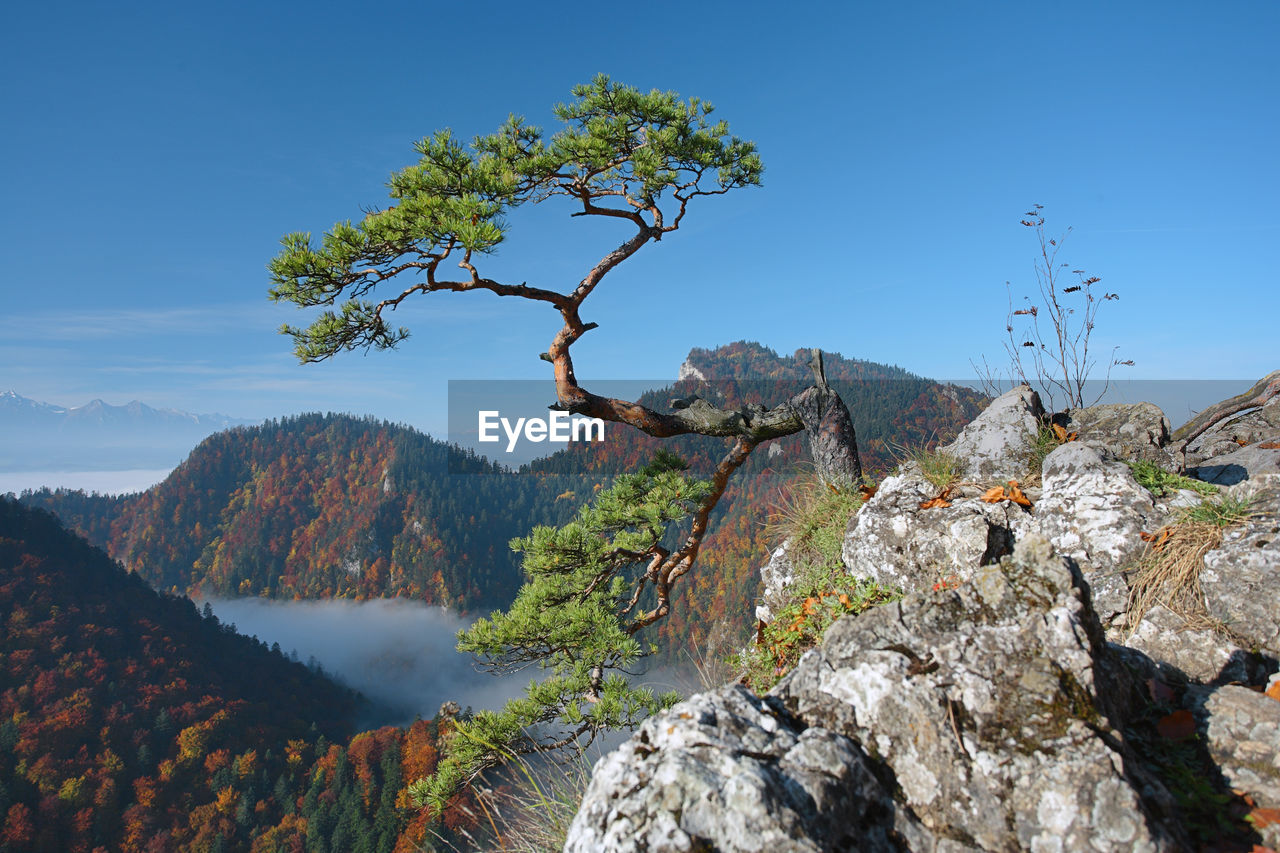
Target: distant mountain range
<point>39,436</point>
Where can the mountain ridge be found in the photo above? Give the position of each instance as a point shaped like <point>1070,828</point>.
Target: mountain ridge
<point>11,399</point>
<point>43,436</point>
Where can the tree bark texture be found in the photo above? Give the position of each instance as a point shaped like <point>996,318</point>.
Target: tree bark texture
<point>1266,388</point>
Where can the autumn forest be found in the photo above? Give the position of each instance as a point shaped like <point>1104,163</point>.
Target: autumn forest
<point>130,720</point>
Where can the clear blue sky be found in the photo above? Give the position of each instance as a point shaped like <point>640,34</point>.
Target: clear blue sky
<point>154,153</point>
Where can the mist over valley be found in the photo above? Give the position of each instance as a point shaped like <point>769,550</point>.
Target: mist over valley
<point>400,654</point>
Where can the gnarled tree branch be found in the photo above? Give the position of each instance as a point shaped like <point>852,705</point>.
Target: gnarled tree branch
<point>1265,388</point>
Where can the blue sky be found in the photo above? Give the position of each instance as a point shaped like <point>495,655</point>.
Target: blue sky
<point>155,153</point>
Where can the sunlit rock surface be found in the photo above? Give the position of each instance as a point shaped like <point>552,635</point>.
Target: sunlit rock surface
<point>994,706</point>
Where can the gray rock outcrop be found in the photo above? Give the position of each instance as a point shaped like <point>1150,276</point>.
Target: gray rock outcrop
<point>1242,730</point>
<point>1094,511</point>
<point>997,444</point>
<point>732,772</point>
<point>1197,652</point>
<point>1253,427</point>
<point>1240,464</point>
<point>1122,431</point>
<point>957,720</point>
<point>1241,576</point>
<point>895,542</point>
<point>982,702</point>
<point>775,576</point>
<point>1006,702</point>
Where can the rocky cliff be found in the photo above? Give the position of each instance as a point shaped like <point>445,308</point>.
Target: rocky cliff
<point>1084,659</point>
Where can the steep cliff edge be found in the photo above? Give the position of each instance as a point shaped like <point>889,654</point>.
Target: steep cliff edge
<point>1081,661</point>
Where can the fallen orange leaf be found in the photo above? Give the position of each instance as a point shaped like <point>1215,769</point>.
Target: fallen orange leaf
<point>1179,725</point>
<point>1264,817</point>
<point>939,501</point>
<point>994,495</point>
<point>1270,445</point>
<point>1063,436</point>
<point>1274,690</point>
<point>1156,539</point>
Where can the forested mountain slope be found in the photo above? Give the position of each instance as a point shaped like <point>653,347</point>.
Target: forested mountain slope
<point>321,506</point>
<point>130,722</point>
<point>113,697</point>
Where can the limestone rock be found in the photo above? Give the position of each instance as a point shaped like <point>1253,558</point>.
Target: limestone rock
<point>1094,511</point>
<point>981,701</point>
<point>990,715</point>
<point>729,771</point>
<point>995,446</point>
<point>1241,578</point>
<point>1242,463</point>
<point>775,576</point>
<point>1242,728</point>
<point>1258,426</point>
<point>1199,653</point>
<point>1123,431</point>
<point>1244,738</point>
<point>896,543</point>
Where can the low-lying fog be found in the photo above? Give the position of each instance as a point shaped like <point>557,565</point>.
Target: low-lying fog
<point>398,653</point>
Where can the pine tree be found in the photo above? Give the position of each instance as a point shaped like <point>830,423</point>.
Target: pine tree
<point>578,617</point>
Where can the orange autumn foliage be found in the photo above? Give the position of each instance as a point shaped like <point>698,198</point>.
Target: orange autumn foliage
<point>1010,492</point>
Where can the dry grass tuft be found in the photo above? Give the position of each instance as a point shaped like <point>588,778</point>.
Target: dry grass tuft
<point>712,661</point>
<point>1169,574</point>
<point>529,808</point>
<point>812,517</point>
<point>938,467</point>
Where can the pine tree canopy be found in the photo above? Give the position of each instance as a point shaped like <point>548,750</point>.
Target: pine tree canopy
<point>620,153</point>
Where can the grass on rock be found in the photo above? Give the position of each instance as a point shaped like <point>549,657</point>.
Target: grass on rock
<point>1169,573</point>
<point>1160,482</point>
<point>812,518</point>
<point>938,467</point>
